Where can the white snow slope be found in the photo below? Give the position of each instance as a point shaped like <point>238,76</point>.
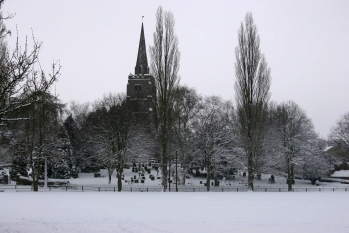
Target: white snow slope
<point>174,212</point>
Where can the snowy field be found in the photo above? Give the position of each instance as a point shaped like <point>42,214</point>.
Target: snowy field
<point>174,212</point>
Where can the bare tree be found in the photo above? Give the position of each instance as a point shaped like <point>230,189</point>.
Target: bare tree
<point>25,95</point>
<point>40,130</point>
<point>79,112</point>
<point>142,143</point>
<point>296,137</point>
<point>315,166</point>
<point>340,135</point>
<point>113,136</point>
<point>108,133</point>
<point>213,134</point>
<point>252,86</point>
<point>19,70</point>
<point>165,59</point>
<point>187,105</point>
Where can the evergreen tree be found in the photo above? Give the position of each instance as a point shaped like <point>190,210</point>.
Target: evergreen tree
<point>74,135</point>
<point>19,162</point>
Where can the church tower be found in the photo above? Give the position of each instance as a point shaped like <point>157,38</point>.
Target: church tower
<point>140,86</point>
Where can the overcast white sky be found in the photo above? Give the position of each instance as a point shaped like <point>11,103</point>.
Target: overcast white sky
<point>306,44</point>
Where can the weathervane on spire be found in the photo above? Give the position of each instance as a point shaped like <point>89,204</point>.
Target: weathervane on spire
<point>142,18</point>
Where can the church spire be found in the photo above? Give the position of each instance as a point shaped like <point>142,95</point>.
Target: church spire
<point>142,62</point>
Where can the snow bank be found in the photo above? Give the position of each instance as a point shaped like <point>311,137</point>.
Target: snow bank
<point>174,212</point>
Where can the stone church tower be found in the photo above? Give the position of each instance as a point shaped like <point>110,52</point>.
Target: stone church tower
<point>141,87</point>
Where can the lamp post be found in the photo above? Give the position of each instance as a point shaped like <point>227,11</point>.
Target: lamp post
<point>176,172</point>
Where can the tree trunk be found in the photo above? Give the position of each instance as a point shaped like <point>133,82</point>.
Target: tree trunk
<point>184,166</point>
<point>35,185</point>
<point>120,171</point>
<point>164,167</point>
<point>290,178</point>
<point>250,172</point>
<point>289,183</point>
<point>208,180</point>
<point>36,167</point>
<point>110,172</point>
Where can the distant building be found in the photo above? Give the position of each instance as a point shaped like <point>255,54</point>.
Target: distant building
<point>141,86</point>
<point>337,152</point>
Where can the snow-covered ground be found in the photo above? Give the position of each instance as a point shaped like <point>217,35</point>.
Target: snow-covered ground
<point>174,212</point>
<point>239,181</point>
<point>342,173</point>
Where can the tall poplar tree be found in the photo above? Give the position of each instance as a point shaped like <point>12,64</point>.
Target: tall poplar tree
<point>252,86</point>
<point>165,59</point>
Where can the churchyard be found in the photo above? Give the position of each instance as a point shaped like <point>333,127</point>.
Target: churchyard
<point>149,179</point>
<point>232,183</point>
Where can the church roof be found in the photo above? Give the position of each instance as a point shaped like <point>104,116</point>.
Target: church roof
<point>142,61</point>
